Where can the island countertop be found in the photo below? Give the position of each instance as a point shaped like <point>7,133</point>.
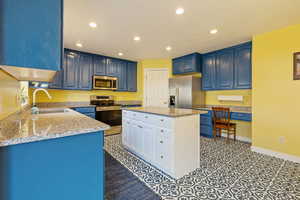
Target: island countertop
<point>169,112</point>
<point>24,127</point>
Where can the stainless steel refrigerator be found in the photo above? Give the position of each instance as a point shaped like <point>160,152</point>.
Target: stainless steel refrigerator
<point>185,92</point>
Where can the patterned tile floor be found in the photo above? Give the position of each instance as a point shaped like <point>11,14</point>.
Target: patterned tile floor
<point>228,171</point>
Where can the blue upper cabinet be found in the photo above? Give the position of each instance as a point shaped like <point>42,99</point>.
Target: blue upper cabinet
<point>113,67</point>
<point>31,34</point>
<point>57,81</point>
<point>79,69</point>
<point>71,69</point>
<point>187,64</point>
<point>99,63</point>
<point>132,76</point>
<point>122,77</point>
<point>242,68</point>
<point>85,71</point>
<point>228,68</point>
<point>224,69</point>
<point>208,71</point>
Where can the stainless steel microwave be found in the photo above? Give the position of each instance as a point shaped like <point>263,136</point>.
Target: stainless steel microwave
<point>105,83</point>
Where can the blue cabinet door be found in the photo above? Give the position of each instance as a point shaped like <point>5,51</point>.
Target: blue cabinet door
<point>187,64</point>
<point>224,69</point>
<point>177,65</point>
<point>113,67</point>
<point>57,81</point>
<point>85,71</point>
<point>122,77</point>
<point>132,76</point>
<point>242,68</point>
<point>99,63</point>
<point>31,33</point>
<point>209,72</point>
<point>71,70</point>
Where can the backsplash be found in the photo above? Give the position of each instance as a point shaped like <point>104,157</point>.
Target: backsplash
<point>211,97</point>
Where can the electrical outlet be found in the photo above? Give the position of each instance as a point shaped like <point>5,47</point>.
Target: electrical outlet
<point>281,139</point>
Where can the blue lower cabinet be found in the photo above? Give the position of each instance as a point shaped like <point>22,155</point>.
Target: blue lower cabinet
<point>91,115</point>
<point>61,168</point>
<point>206,121</point>
<point>128,106</point>
<point>88,111</point>
<point>241,116</point>
<point>206,124</point>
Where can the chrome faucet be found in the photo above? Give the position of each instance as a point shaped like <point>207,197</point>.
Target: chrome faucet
<point>35,109</point>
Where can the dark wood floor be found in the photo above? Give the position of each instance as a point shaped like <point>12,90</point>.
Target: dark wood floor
<point>121,184</point>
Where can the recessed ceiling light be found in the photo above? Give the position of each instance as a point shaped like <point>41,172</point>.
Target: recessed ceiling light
<point>120,54</point>
<point>93,24</point>
<point>78,44</point>
<point>213,31</point>
<point>179,11</point>
<point>137,38</point>
<point>168,48</point>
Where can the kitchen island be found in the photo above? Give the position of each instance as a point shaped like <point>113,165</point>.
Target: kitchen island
<point>56,154</point>
<point>167,138</point>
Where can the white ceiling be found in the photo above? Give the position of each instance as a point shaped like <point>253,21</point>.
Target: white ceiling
<point>158,26</point>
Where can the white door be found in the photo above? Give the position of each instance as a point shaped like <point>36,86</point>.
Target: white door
<point>156,87</point>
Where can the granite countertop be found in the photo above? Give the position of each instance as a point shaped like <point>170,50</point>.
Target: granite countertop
<point>169,112</point>
<point>240,109</point>
<point>24,127</point>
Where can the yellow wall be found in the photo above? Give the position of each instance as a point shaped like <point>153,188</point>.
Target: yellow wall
<point>9,90</point>
<point>275,95</point>
<point>76,95</point>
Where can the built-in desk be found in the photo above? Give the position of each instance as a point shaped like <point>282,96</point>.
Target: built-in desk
<point>206,121</point>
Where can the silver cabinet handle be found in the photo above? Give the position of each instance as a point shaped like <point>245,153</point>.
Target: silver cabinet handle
<point>140,126</point>
<point>161,130</point>
<point>161,142</point>
<point>161,120</point>
<point>161,157</point>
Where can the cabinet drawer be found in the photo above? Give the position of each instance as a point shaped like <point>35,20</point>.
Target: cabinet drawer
<point>85,109</point>
<point>241,116</point>
<point>164,122</point>
<point>206,120</point>
<point>206,130</point>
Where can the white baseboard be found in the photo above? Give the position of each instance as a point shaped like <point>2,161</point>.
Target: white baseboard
<point>240,138</point>
<point>276,154</point>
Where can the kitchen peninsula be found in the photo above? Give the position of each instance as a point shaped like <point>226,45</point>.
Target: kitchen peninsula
<point>167,138</point>
<point>56,154</point>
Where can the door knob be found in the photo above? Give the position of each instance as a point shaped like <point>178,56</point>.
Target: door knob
<point>162,131</point>
<point>161,142</point>
<point>161,157</point>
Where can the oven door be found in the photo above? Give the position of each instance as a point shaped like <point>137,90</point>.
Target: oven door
<point>105,83</point>
<point>111,115</point>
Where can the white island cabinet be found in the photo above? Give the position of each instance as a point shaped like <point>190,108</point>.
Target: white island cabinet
<point>167,138</point>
